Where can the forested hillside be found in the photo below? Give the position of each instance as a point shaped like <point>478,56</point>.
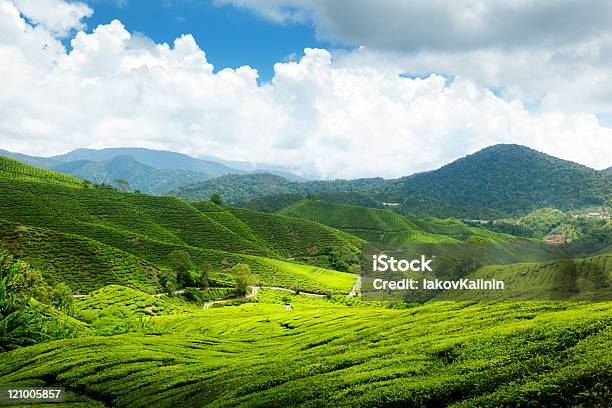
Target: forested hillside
<point>510,179</point>
<point>496,182</point>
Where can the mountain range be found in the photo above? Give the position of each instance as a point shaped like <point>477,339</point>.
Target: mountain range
<point>146,170</point>
<point>498,181</point>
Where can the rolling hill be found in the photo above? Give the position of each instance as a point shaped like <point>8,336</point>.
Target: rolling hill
<point>375,225</point>
<point>496,182</point>
<point>383,226</point>
<point>510,179</point>
<point>460,354</point>
<point>120,345</point>
<point>49,218</point>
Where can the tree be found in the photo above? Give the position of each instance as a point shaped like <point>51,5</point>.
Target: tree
<point>61,297</point>
<point>19,320</point>
<point>244,277</point>
<point>216,199</point>
<point>181,264</point>
<point>168,281</point>
<point>123,184</point>
<point>342,258</point>
<point>204,283</point>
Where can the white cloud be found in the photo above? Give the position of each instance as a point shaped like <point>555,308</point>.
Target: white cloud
<point>352,116</point>
<point>556,54</point>
<point>440,24</point>
<point>57,16</point>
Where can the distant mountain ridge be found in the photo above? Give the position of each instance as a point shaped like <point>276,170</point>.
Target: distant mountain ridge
<point>498,181</point>
<point>140,176</point>
<point>147,170</point>
<point>159,159</point>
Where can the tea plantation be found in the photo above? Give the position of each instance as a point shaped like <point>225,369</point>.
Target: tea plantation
<point>326,354</point>
<point>295,333</point>
<point>90,236</point>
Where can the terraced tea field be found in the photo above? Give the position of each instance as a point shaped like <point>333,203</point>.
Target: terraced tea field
<point>90,236</point>
<point>325,354</point>
<point>389,228</point>
<point>125,344</point>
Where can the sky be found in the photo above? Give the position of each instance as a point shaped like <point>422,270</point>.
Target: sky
<point>338,89</point>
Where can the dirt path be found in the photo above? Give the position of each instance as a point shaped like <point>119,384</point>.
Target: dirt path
<point>253,293</point>
<point>356,287</point>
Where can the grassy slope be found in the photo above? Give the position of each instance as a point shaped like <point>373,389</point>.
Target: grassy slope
<point>318,354</point>
<point>86,236</point>
<point>16,170</point>
<point>369,223</point>
<point>576,279</point>
<point>134,301</point>
<point>388,227</point>
<point>82,263</point>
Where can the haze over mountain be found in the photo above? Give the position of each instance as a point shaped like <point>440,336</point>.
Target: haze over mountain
<point>150,171</point>
<point>140,176</point>
<point>500,180</point>
<point>160,159</point>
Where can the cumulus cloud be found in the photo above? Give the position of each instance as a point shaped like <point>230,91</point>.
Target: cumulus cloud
<point>440,24</point>
<point>340,117</point>
<point>556,54</point>
<point>57,16</point>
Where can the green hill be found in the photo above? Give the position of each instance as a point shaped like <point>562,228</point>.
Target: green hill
<point>89,236</point>
<point>84,264</point>
<point>236,188</point>
<point>17,171</point>
<point>376,225</point>
<point>510,179</point>
<point>387,227</point>
<point>567,279</point>
<point>439,354</point>
<point>496,182</point>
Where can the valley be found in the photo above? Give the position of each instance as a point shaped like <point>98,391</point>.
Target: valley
<point>128,299</point>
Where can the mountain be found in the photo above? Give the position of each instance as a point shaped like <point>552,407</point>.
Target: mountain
<point>498,181</point>
<point>188,169</point>
<point>608,170</point>
<point>283,171</point>
<point>510,179</point>
<point>159,159</point>
<point>141,177</point>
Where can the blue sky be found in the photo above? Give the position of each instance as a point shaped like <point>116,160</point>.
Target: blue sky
<point>231,37</point>
<point>414,85</point>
